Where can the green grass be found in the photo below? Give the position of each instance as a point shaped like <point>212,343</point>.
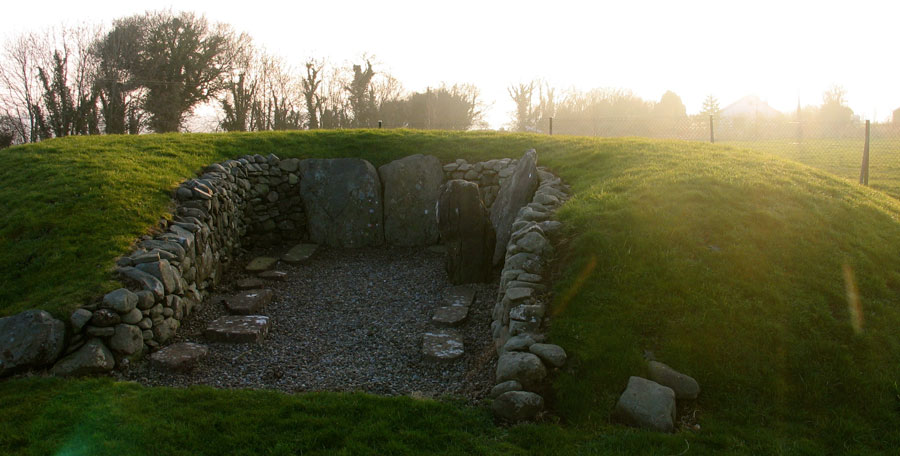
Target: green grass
<point>728,264</point>
<point>841,157</point>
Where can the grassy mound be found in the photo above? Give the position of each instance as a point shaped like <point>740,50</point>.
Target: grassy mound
<point>775,285</point>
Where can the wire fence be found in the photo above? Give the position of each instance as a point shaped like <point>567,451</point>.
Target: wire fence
<point>835,147</point>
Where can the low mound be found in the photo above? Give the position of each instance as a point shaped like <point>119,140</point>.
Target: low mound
<point>730,266</point>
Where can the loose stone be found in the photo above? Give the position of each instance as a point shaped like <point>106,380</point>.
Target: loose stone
<point>518,405</point>
<point>550,354</point>
<point>238,329</point>
<point>685,387</point>
<point>179,357</point>
<point>647,405</point>
<point>260,264</point>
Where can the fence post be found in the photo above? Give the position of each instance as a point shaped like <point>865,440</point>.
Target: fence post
<point>551,126</point>
<point>864,171</point>
<point>712,134</point>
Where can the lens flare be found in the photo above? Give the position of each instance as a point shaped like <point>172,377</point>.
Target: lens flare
<point>576,286</point>
<point>853,304</point>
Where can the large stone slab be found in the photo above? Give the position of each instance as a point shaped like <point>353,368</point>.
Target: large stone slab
<point>459,295</point>
<point>466,231</point>
<point>411,188</point>
<point>450,315</point>
<point>442,345</point>
<point>179,357</point>
<point>29,339</point>
<point>238,329</point>
<point>299,253</point>
<point>647,405</point>
<point>260,264</point>
<point>248,302</point>
<point>92,358</point>
<point>342,198</point>
<point>515,193</point>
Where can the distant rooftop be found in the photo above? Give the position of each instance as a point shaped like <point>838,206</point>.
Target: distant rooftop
<point>749,106</point>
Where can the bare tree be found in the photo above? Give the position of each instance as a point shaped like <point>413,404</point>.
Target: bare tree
<point>525,115</point>
<point>311,94</point>
<point>19,77</point>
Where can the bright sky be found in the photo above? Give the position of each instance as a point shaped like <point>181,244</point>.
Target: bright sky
<point>780,50</point>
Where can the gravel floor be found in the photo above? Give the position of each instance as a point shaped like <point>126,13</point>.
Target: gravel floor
<point>347,320</point>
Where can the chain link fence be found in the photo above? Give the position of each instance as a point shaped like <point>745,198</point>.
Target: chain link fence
<point>835,147</point>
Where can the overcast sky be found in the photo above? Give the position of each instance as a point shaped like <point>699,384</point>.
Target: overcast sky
<point>779,50</point>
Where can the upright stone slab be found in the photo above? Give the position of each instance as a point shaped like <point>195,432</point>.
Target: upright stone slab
<point>342,198</point>
<point>515,193</point>
<point>411,188</point>
<point>30,339</point>
<point>466,231</point>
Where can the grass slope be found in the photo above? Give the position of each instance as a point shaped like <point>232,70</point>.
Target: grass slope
<point>729,265</point>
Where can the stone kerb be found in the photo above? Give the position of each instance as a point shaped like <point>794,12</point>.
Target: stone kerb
<point>519,315</point>
<point>253,199</point>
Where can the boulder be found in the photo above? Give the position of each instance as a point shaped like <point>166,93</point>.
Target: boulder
<point>466,231</point>
<point>79,318</point>
<point>500,388</point>
<point>526,368</point>
<point>551,354</point>
<point>647,405</point>
<point>30,339</point>
<point>165,330</point>
<point>342,198</point>
<point>121,300</point>
<point>515,193</point>
<point>411,188</point>
<point>517,405</point>
<point>685,387</point>
<point>518,343</point>
<point>127,339</point>
<point>146,280</point>
<point>92,358</point>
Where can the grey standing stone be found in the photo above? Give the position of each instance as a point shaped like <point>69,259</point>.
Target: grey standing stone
<point>342,198</point>
<point>518,405</point>
<point>526,368</point>
<point>515,193</point>
<point>685,387</point>
<point>92,358</point>
<point>127,339</point>
<point>30,339</point>
<point>647,405</point>
<point>411,188</point>
<point>466,231</point>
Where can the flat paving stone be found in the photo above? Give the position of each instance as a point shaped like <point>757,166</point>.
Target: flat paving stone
<point>260,264</point>
<point>249,283</point>
<point>238,329</point>
<point>179,357</point>
<point>248,302</point>
<point>442,344</point>
<point>459,295</point>
<point>299,253</point>
<point>450,315</point>
<point>280,276</point>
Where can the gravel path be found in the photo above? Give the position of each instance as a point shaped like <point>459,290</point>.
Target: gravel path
<point>347,320</point>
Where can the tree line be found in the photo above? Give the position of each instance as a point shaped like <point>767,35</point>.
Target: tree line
<point>146,73</point>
